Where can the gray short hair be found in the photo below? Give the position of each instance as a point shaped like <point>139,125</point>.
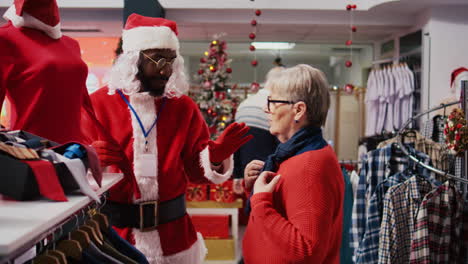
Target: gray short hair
<point>307,84</point>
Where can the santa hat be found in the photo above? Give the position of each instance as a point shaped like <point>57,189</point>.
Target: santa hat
<point>456,77</point>
<point>38,14</point>
<point>142,33</point>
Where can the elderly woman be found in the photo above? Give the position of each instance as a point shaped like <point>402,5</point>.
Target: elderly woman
<point>296,217</point>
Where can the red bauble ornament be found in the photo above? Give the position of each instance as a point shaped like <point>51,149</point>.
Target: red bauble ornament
<point>253,22</point>
<point>349,7</point>
<point>200,71</point>
<point>258,12</point>
<point>252,48</point>
<point>228,70</point>
<point>213,69</point>
<point>254,63</point>
<point>252,36</point>
<point>349,88</point>
<point>203,60</point>
<point>353,28</point>
<point>349,42</point>
<point>353,6</point>
<point>254,86</point>
<point>348,63</point>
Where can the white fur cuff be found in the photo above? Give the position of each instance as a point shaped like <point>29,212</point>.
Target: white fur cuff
<point>210,173</point>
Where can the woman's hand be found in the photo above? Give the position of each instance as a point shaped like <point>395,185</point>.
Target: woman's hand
<point>251,172</point>
<point>266,182</point>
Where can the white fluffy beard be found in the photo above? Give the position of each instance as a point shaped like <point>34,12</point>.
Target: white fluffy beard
<point>144,104</point>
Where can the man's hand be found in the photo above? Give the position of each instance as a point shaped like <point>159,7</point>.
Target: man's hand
<point>251,172</point>
<point>109,154</point>
<point>266,182</point>
<point>232,138</point>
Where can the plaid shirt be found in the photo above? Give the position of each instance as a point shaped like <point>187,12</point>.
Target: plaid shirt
<point>401,204</point>
<point>378,165</point>
<point>438,226</point>
<point>368,251</point>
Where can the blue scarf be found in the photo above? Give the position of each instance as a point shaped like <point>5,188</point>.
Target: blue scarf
<point>306,139</point>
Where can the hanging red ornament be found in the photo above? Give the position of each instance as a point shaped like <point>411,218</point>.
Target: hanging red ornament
<point>349,7</point>
<point>202,60</point>
<point>254,63</point>
<point>200,71</point>
<point>353,6</point>
<point>252,36</point>
<point>258,12</point>
<point>353,28</point>
<point>252,48</point>
<point>253,22</point>
<point>228,70</point>
<point>349,88</point>
<point>213,69</point>
<point>349,42</point>
<point>348,63</point>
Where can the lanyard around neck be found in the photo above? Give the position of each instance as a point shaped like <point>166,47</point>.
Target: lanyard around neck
<point>145,133</point>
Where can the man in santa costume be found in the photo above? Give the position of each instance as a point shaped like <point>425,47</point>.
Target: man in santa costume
<point>41,72</point>
<point>164,135</point>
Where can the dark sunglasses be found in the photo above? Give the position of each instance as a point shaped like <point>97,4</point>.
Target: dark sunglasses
<point>269,100</point>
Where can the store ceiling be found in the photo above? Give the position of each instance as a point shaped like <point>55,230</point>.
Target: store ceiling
<point>295,25</point>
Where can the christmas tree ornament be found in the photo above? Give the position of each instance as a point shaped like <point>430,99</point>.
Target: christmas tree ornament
<point>252,36</point>
<point>252,48</point>
<point>254,63</point>
<point>202,60</point>
<point>349,7</point>
<point>349,42</point>
<point>228,70</point>
<point>353,28</point>
<point>253,22</point>
<point>258,12</point>
<point>349,88</point>
<point>200,71</point>
<point>348,63</point>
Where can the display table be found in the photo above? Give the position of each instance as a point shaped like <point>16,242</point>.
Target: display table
<point>23,223</point>
<point>217,208</point>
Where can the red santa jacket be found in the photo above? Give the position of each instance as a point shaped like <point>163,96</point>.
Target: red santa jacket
<point>45,81</point>
<point>181,136</point>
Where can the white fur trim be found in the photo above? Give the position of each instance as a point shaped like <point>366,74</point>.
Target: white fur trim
<point>212,175</point>
<point>31,22</point>
<point>144,105</point>
<point>194,255</point>
<point>143,38</point>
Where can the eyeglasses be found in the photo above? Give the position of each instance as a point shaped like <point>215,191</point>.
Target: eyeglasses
<point>269,100</point>
<point>161,63</point>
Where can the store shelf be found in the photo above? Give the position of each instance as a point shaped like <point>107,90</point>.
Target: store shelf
<point>22,222</point>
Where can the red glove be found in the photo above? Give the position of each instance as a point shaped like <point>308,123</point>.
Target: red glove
<point>108,153</point>
<point>232,138</point>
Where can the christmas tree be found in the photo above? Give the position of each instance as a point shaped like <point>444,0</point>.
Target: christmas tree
<point>215,100</point>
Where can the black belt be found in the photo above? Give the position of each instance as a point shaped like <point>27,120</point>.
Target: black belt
<point>146,215</point>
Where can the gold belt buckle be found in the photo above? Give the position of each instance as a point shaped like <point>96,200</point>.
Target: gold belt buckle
<point>142,219</point>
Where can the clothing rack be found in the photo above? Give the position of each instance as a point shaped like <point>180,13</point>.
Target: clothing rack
<point>58,232</point>
<point>30,224</point>
<point>418,162</point>
<point>394,59</point>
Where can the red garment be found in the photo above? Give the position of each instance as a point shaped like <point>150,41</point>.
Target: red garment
<point>301,221</point>
<point>182,137</point>
<point>45,81</point>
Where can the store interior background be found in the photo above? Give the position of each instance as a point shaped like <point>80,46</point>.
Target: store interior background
<point>319,30</point>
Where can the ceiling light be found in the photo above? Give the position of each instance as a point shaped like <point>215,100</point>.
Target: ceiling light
<point>273,45</point>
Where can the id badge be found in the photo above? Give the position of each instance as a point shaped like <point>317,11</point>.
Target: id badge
<point>148,167</point>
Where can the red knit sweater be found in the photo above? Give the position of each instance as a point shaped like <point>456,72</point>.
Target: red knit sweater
<point>301,221</point>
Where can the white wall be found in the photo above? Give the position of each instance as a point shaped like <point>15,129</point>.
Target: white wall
<point>446,51</point>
